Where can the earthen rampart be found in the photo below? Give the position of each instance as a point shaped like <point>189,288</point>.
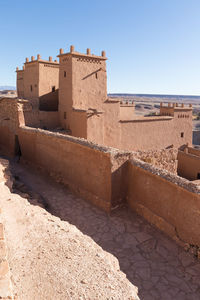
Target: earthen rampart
<point>86,168</point>
<point>109,177</point>
<point>168,201</point>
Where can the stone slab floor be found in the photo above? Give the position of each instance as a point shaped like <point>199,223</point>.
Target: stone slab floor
<point>151,261</point>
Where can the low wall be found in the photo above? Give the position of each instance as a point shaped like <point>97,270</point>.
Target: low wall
<point>189,165</point>
<point>193,151</point>
<point>91,171</point>
<point>168,201</point>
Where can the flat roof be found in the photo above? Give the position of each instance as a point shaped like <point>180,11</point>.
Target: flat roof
<point>78,54</point>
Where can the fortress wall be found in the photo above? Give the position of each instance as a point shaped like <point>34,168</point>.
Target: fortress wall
<point>152,133</point>
<point>165,200</point>
<point>155,133</point>
<point>165,159</point>
<point>87,169</point>
<point>188,165</point>
<point>108,177</point>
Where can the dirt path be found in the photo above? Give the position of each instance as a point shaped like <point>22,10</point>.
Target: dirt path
<point>151,261</point>
<point>52,259</point>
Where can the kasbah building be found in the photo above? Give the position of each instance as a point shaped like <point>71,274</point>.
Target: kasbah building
<point>64,122</point>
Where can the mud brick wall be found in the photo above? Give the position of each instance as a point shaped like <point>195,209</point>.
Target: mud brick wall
<point>170,202</point>
<point>91,171</point>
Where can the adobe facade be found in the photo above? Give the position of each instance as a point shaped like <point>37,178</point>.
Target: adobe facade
<point>76,88</point>
<point>86,160</point>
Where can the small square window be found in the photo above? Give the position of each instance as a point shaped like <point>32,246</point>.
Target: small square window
<point>53,88</point>
<point>182,134</point>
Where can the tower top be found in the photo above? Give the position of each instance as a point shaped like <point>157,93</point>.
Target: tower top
<point>88,54</point>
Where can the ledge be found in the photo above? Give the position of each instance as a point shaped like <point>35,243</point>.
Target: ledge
<point>147,119</point>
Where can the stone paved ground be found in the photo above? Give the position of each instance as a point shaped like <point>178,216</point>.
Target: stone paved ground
<point>151,261</point>
<point>50,259</point>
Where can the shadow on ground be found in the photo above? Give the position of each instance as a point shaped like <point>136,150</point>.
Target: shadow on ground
<point>151,261</point>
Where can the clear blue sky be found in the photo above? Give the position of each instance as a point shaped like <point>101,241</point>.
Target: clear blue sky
<point>153,46</point>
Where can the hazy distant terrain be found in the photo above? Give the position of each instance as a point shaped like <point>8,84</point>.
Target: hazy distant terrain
<point>8,93</point>
<point>7,87</point>
<point>150,104</point>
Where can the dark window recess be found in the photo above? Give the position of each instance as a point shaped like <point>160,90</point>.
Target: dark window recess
<point>182,134</point>
<point>31,88</point>
<point>198,175</point>
<point>53,88</point>
<point>96,75</point>
<point>65,74</point>
<point>65,115</point>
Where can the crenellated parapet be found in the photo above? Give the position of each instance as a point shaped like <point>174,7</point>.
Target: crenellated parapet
<point>171,109</point>
<point>88,56</point>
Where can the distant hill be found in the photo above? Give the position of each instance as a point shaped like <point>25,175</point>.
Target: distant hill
<point>178,97</point>
<point>7,87</point>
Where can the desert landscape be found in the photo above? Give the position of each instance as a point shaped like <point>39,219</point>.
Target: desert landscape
<point>149,105</point>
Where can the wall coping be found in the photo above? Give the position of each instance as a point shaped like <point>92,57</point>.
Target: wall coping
<point>147,119</point>
<point>189,154</point>
<point>175,179</point>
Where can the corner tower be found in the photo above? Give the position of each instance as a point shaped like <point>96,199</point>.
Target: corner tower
<point>38,82</point>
